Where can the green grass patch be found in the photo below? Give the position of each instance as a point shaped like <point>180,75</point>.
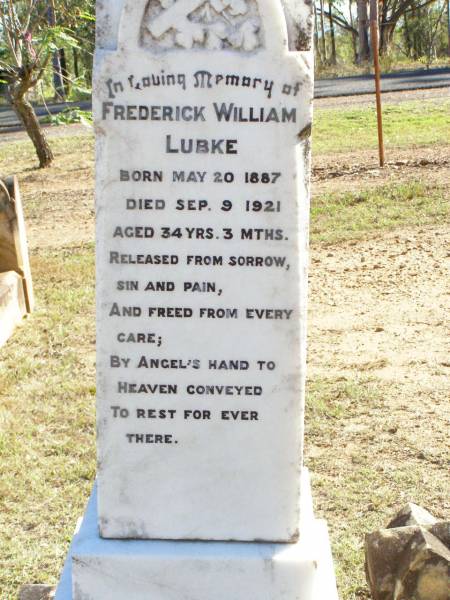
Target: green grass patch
<point>407,124</point>
<point>351,215</point>
<point>391,63</point>
<point>70,151</point>
<point>47,390</point>
<point>331,404</point>
<point>335,399</point>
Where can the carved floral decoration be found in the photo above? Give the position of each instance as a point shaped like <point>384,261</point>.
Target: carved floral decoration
<point>215,25</point>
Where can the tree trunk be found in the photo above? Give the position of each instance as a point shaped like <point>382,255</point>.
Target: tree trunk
<point>419,47</point>
<point>386,36</point>
<point>26,114</point>
<point>363,24</point>
<point>333,58</point>
<point>76,68</point>
<point>316,38</point>
<point>64,71</point>
<point>448,25</point>
<point>322,31</point>
<point>407,36</point>
<point>58,79</point>
<point>87,65</point>
<point>413,34</point>
<point>354,35</point>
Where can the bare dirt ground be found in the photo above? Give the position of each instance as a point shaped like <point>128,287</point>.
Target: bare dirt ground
<point>379,339</point>
<point>384,301</point>
<point>379,331</point>
<point>335,173</point>
<point>378,307</point>
<point>389,97</point>
<point>72,187</point>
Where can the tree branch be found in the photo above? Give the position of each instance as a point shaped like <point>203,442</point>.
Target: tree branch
<point>27,20</point>
<point>405,9</point>
<point>339,21</point>
<point>9,39</point>
<point>16,31</point>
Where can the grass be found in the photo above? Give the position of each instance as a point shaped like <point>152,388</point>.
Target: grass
<point>389,64</point>
<point>340,129</point>
<point>331,405</point>
<point>47,387</point>
<point>405,125</point>
<point>351,215</point>
<point>20,158</point>
<point>47,393</point>
<point>362,467</point>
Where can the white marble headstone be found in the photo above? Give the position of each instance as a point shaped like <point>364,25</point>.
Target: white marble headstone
<point>202,116</point>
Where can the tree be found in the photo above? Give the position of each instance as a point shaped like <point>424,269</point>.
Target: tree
<point>77,15</point>
<point>333,58</point>
<point>448,26</point>
<point>424,31</point>
<point>28,43</point>
<point>363,31</point>
<point>422,22</point>
<point>353,31</point>
<point>322,33</point>
<point>57,58</point>
<point>359,30</point>
<point>392,11</point>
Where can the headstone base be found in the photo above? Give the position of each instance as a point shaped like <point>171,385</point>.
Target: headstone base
<point>101,569</point>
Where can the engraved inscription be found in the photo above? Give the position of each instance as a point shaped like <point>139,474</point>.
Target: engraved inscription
<point>203,125</point>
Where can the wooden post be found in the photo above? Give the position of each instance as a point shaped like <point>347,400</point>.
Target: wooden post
<point>376,62</point>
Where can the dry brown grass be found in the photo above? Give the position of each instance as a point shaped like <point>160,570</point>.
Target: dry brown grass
<point>378,376</point>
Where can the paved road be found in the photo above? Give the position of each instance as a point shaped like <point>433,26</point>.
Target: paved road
<point>9,121</point>
<point>392,82</point>
<point>325,88</point>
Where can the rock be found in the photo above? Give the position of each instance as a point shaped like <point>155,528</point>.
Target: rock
<point>36,592</point>
<point>411,514</point>
<point>423,573</point>
<point>383,549</point>
<point>410,559</point>
<point>442,531</point>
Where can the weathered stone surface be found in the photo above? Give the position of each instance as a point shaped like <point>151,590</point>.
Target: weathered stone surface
<point>36,592</point>
<point>12,304</point>
<point>442,531</point>
<point>202,226</point>
<point>411,514</point>
<point>203,124</point>
<point>13,238</point>
<point>8,260</point>
<point>423,573</point>
<point>16,289</point>
<point>105,569</point>
<point>383,549</point>
<point>299,21</point>
<point>407,563</point>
